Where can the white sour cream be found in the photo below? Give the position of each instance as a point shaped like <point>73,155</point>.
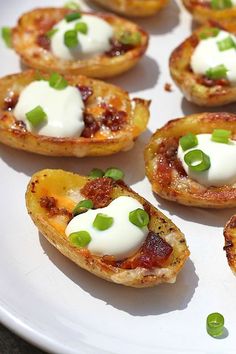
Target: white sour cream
<point>122,239</point>
<point>95,41</point>
<point>207,55</point>
<point>64,109</point>
<point>222,157</point>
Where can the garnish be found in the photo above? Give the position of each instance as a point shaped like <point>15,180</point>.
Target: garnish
<point>51,32</point>
<point>188,141</point>
<point>82,206</point>
<point>72,5</point>
<point>217,72</point>
<point>57,81</point>
<point>80,238</point>
<point>209,32</point>
<point>81,27</point>
<point>139,217</point>
<point>114,173</point>
<point>221,136</point>
<point>36,116</point>
<point>133,38</point>
<point>197,160</point>
<point>72,16</point>
<point>226,44</point>
<point>215,324</point>
<point>221,4</point>
<point>71,39</point>
<point>102,222</point>
<point>96,173</point>
<point>6,36</point>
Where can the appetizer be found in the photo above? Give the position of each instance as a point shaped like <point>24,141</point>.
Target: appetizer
<point>68,115</point>
<point>69,42</point>
<point>136,8</point>
<point>203,67</point>
<point>230,243</point>
<point>106,228</point>
<point>191,160</point>
<point>221,12</point>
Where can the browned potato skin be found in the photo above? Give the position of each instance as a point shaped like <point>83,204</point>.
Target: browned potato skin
<point>193,90</point>
<point>60,184</point>
<point>39,21</point>
<point>205,14</point>
<point>230,243</point>
<point>99,145</point>
<point>179,187</point>
<point>133,8</point>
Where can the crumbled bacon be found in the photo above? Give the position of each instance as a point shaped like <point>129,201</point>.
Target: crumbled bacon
<point>85,91</point>
<point>118,48</point>
<point>91,126</point>
<point>203,80</point>
<point>43,41</point>
<point>50,204</point>
<point>114,119</point>
<point>99,191</point>
<point>10,102</point>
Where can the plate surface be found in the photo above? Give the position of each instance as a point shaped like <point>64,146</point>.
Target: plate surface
<point>51,302</point>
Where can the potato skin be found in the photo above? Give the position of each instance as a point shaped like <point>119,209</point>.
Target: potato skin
<point>194,89</point>
<point>40,21</point>
<point>230,242</point>
<point>204,14</point>
<point>165,171</point>
<point>99,145</point>
<point>133,8</point>
<point>65,188</point>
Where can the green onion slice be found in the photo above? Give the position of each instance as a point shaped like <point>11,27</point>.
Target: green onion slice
<point>102,222</point>
<point>72,5</point>
<point>217,72</point>
<point>188,141</point>
<point>71,39</point>
<point>81,27</point>
<point>57,81</point>
<point>6,36</point>
<point>36,116</point>
<point>221,136</point>
<point>96,173</point>
<point>132,38</point>
<point>226,44</point>
<point>51,33</point>
<point>221,4</point>
<point>114,173</point>
<point>80,238</point>
<point>72,16</point>
<point>197,160</point>
<point>209,32</point>
<point>139,217</point>
<point>215,324</point>
<point>82,206</point>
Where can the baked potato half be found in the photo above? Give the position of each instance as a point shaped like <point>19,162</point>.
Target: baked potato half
<point>51,197</point>
<point>198,88</point>
<point>133,8</point>
<point>230,243</point>
<point>204,13</point>
<point>31,42</point>
<point>106,106</point>
<point>166,173</point>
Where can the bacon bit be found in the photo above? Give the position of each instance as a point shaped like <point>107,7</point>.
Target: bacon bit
<point>114,119</point>
<point>118,48</point>
<point>43,41</point>
<point>168,87</point>
<point>91,126</point>
<point>99,191</point>
<point>85,91</point>
<point>50,204</point>
<point>203,80</point>
<point>10,102</point>
<point>202,3</point>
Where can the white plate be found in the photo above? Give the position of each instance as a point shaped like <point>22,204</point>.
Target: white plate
<point>51,302</point>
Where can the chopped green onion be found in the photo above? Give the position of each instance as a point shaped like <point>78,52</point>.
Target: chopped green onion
<point>81,27</point>
<point>102,222</point>
<point>6,36</point>
<point>133,38</point>
<point>114,173</point>
<point>209,32</point>
<point>82,206</point>
<point>51,33</point>
<point>71,39</point>
<point>226,44</point>
<point>221,4</point>
<point>36,116</point>
<point>197,160</point>
<point>221,136</point>
<point>80,238</point>
<point>96,173</point>
<point>72,5</point>
<point>215,324</point>
<point>217,72</point>
<point>139,217</point>
<point>72,16</point>
<point>188,141</point>
<point>57,81</point>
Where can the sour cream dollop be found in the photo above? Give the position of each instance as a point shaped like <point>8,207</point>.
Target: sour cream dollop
<point>122,239</point>
<point>64,109</point>
<point>95,41</point>
<point>207,55</point>
<point>222,156</point>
